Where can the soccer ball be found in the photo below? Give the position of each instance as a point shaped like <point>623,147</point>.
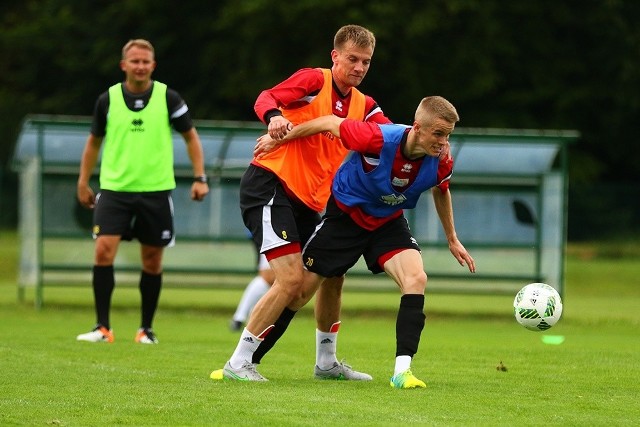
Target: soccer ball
<point>537,306</point>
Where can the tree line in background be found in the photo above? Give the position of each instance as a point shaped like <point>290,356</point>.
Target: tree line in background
<point>504,64</point>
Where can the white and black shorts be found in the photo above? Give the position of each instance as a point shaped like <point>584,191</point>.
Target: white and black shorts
<point>273,218</point>
<point>146,216</point>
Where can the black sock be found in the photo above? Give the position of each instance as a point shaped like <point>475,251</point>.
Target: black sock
<point>409,324</point>
<point>150,285</point>
<point>274,335</point>
<point>103,283</point>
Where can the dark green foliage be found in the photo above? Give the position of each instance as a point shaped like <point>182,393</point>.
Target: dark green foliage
<point>540,65</point>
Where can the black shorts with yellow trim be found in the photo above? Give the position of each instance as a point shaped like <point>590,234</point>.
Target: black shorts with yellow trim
<point>146,216</point>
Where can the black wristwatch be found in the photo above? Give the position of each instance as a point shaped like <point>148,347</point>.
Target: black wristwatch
<point>201,178</point>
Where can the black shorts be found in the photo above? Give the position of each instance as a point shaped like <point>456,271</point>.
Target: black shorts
<point>273,218</point>
<point>147,217</point>
<point>339,242</point>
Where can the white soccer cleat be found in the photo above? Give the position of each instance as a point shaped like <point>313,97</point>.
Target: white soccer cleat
<point>98,334</point>
<point>247,372</point>
<point>146,336</point>
<point>341,371</point>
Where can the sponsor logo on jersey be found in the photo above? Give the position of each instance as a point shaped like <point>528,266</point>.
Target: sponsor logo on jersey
<point>399,182</point>
<point>393,199</point>
<point>137,125</point>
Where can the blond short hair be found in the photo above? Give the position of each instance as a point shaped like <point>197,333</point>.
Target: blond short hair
<point>433,107</point>
<point>141,43</point>
<point>360,36</point>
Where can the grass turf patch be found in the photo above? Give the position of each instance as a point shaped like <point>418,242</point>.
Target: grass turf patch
<point>590,379</point>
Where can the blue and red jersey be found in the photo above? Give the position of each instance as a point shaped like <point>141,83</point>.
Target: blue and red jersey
<point>378,181</point>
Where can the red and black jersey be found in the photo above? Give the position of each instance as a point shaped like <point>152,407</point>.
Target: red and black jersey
<point>301,88</point>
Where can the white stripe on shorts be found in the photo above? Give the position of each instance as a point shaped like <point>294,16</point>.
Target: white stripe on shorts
<point>270,239</point>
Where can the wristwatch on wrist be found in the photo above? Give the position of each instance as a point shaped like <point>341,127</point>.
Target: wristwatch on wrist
<point>201,178</point>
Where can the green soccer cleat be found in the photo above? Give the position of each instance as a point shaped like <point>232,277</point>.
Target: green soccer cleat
<point>406,379</point>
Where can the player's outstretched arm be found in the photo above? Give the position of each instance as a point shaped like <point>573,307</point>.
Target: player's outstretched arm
<point>444,208</point>
<point>330,123</point>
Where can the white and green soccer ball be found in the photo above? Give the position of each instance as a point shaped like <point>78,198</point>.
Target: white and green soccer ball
<point>537,306</point>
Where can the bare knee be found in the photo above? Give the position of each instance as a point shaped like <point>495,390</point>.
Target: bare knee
<point>310,284</point>
<point>415,283</point>
<point>151,258</point>
<point>291,285</point>
<point>105,250</point>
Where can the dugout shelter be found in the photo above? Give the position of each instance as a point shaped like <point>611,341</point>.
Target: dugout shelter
<point>509,194</point>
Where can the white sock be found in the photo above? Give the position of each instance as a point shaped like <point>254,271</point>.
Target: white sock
<point>402,364</point>
<point>253,292</point>
<point>326,343</point>
<point>247,345</point>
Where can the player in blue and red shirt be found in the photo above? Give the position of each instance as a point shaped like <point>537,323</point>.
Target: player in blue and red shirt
<point>392,165</point>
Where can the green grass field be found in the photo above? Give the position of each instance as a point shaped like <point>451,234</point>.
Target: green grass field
<point>592,379</point>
